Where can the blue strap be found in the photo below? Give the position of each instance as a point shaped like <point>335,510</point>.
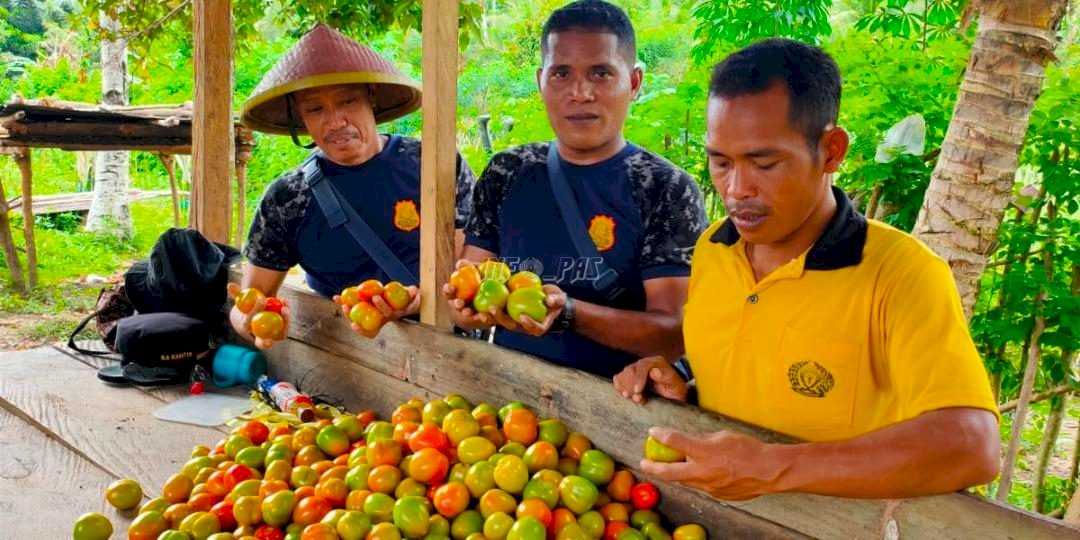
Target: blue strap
<point>579,234</point>
<point>338,214</point>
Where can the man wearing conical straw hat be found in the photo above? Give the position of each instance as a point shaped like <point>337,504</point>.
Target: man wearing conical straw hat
<point>351,211</point>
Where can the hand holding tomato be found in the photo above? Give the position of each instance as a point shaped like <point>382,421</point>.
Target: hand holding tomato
<point>371,305</point>
<point>653,373</point>
<point>460,292</point>
<point>255,317</point>
<point>554,301</point>
<point>728,465</point>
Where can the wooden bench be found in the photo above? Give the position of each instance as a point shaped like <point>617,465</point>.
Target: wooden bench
<point>78,202</point>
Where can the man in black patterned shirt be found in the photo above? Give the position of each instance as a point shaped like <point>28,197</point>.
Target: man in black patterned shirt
<point>642,213</point>
<point>337,91</point>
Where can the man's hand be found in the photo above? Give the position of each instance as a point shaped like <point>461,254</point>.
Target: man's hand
<point>554,299</point>
<point>241,322</point>
<point>726,464</point>
<point>388,312</point>
<point>654,373</point>
<point>462,312</point>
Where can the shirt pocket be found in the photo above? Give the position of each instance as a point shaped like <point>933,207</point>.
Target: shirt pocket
<point>814,381</point>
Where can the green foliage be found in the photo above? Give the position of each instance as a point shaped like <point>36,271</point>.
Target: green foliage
<point>927,20</point>
<point>726,23</point>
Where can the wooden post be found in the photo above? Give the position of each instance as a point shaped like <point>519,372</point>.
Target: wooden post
<point>245,141</point>
<point>169,161</point>
<point>11,255</point>
<point>22,159</point>
<point>212,124</point>
<point>438,163</point>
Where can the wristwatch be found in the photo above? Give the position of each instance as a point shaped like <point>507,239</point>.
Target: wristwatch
<point>565,320</point>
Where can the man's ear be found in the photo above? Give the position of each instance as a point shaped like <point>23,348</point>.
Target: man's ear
<point>539,85</point>
<point>637,78</point>
<point>834,144</point>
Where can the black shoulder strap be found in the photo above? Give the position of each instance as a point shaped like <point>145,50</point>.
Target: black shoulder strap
<point>82,325</point>
<point>342,214</point>
<point>579,234</point>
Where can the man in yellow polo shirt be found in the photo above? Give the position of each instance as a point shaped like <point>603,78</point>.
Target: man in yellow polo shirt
<point>807,319</point>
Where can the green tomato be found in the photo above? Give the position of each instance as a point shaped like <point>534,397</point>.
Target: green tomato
<point>491,294</point>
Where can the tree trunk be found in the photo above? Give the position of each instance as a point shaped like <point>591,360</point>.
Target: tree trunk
<point>26,170</point>
<point>1034,354</point>
<point>974,176</point>
<point>1046,450</point>
<point>11,255</point>
<point>110,212</point>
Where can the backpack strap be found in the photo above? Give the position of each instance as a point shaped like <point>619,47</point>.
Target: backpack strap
<point>82,325</point>
<point>579,234</point>
<point>339,213</point>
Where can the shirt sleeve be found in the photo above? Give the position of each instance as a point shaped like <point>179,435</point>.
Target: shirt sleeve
<point>672,228</point>
<point>482,229</point>
<point>932,359</point>
<point>270,239</point>
<point>466,180</point>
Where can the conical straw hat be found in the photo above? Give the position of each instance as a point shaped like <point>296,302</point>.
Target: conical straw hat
<point>325,57</point>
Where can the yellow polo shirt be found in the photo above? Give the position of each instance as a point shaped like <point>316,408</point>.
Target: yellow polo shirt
<point>862,331</point>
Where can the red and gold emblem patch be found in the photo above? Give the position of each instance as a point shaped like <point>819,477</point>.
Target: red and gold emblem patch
<point>602,232</point>
<point>406,216</point>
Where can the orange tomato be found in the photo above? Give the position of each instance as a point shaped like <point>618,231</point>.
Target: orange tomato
<point>496,500</point>
<point>350,296</point>
<point>334,490</point>
<point>465,281</point>
<point>404,430</point>
<point>429,465</point>
<point>386,452</point>
<point>493,434</point>
<point>619,487</point>
<point>560,518</point>
<point>177,488</point>
<point>406,413</point>
<point>541,455</point>
<point>576,445</point>
<point>337,471</point>
<point>396,295</point>
<point>535,508</point>
<point>321,467</point>
<point>268,325</point>
<point>319,531</point>
<point>310,510</point>
<point>366,417</point>
<point>367,316</point>
<point>309,455</point>
<point>203,502</point>
<point>304,492</point>
<point>520,426</point>
<point>269,487</point>
<point>613,528</point>
<point>216,484</point>
<point>356,499</point>
<point>451,499</point>
<point>384,478</point>
<point>615,512</point>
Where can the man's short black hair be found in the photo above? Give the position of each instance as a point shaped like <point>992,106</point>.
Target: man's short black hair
<point>593,16</point>
<point>809,74</point>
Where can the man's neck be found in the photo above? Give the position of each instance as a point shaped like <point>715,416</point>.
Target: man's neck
<point>592,155</point>
<point>765,258</point>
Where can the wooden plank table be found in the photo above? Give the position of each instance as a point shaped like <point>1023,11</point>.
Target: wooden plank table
<point>65,436</point>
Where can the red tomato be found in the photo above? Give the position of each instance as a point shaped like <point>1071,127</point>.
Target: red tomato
<point>274,304</point>
<point>369,289</point>
<point>429,436</point>
<point>267,532</point>
<point>255,431</point>
<point>224,512</point>
<point>311,510</point>
<point>236,474</point>
<point>611,532</point>
<point>644,496</point>
<point>429,465</point>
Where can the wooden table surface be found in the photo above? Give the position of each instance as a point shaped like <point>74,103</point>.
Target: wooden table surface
<point>65,436</point>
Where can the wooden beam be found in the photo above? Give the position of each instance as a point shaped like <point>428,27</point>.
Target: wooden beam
<point>245,142</point>
<point>439,158</point>
<point>212,126</point>
<point>436,363</point>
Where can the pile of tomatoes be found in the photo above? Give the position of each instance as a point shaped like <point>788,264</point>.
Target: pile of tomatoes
<point>490,285</point>
<point>437,470</point>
